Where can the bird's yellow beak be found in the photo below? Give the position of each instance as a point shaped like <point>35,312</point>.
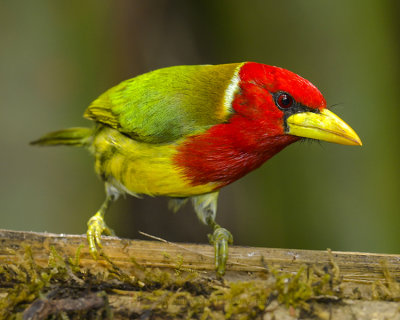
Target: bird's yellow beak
<point>325,126</point>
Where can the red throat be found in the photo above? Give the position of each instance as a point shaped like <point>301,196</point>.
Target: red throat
<point>215,157</point>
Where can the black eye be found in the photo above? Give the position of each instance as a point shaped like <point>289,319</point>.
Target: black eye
<point>284,101</point>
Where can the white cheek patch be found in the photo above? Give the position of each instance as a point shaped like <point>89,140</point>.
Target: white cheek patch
<point>230,91</point>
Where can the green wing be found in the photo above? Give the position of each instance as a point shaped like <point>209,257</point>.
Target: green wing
<point>166,104</point>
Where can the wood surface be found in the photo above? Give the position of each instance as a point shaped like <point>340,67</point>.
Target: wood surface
<point>362,277</point>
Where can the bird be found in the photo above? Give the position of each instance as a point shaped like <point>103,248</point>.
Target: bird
<point>187,131</point>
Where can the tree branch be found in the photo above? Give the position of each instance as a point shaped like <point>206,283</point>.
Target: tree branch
<point>164,279</point>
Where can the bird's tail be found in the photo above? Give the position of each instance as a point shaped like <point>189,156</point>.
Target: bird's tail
<point>72,137</point>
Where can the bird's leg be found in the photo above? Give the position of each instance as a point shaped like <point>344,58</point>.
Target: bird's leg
<point>206,208</point>
<point>220,238</point>
<point>96,224</point>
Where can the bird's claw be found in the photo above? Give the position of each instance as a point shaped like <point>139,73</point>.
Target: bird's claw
<point>96,227</point>
<point>220,239</point>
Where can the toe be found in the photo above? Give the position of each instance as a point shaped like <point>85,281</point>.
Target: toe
<point>221,239</point>
<point>92,243</point>
<point>96,227</point>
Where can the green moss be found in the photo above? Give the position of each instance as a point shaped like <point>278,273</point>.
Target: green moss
<point>388,289</point>
<point>298,289</point>
<point>27,284</point>
<point>180,294</point>
<point>241,299</point>
<point>30,282</point>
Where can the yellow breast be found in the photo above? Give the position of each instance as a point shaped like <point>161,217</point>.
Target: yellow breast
<point>141,168</point>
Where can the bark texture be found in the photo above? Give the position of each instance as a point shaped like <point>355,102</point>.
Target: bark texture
<point>45,275</point>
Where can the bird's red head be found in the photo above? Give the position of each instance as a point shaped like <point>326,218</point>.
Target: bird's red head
<point>271,94</point>
<point>275,79</point>
<point>272,108</point>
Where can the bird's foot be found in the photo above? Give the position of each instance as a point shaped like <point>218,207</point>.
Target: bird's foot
<point>97,227</point>
<point>220,239</point>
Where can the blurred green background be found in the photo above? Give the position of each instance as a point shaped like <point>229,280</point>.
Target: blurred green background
<point>56,57</point>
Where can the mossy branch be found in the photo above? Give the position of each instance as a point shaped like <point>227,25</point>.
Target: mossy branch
<point>44,274</point>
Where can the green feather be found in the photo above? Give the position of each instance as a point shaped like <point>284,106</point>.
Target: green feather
<point>71,136</point>
<point>166,104</point>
